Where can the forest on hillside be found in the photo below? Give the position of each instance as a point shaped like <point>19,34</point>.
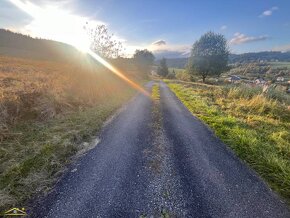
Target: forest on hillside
<point>267,56</point>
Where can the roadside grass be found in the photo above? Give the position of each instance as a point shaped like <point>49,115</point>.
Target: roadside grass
<point>49,114</point>
<point>255,125</point>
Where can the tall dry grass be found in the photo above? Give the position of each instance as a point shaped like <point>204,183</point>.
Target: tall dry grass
<point>42,90</point>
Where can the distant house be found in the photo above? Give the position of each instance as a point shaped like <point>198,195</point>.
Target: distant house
<point>280,79</point>
<point>259,81</point>
<point>234,79</point>
<point>154,71</point>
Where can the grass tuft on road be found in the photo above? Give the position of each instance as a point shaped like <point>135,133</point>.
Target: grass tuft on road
<point>255,125</point>
<point>155,92</point>
<point>154,153</point>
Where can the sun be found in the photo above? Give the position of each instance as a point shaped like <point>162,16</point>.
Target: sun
<point>56,24</point>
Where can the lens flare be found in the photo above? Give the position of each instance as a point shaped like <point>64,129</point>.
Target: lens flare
<point>117,72</point>
<point>61,26</point>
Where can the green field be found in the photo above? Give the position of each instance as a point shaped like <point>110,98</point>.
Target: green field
<point>279,64</point>
<point>177,70</point>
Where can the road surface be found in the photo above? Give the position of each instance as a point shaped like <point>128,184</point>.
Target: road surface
<point>154,164</point>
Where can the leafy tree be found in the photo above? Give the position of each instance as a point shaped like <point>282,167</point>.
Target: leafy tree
<point>209,55</point>
<point>144,59</point>
<point>104,44</point>
<point>162,69</point>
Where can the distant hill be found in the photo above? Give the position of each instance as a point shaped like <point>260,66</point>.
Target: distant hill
<point>21,46</point>
<point>260,56</point>
<point>237,58</point>
<point>175,62</point>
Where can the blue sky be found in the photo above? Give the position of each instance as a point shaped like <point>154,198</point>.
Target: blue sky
<point>249,25</point>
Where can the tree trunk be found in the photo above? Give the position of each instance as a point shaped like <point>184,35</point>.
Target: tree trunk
<point>203,78</point>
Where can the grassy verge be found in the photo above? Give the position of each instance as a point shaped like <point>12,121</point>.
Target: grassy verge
<point>255,125</point>
<point>35,156</point>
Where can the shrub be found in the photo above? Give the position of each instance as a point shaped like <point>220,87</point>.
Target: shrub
<point>171,76</point>
<point>183,76</point>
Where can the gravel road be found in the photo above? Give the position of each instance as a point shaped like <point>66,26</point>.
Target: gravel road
<point>155,159</point>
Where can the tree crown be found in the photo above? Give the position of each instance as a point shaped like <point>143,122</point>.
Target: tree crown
<point>144,56</point>
<point>209,55</point>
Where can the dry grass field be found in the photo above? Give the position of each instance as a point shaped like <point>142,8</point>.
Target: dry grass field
<point>49,112</point>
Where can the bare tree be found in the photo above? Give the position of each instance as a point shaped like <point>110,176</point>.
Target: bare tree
<point>104,44</point>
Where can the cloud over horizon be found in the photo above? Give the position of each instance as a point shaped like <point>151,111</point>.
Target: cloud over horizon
<point>159,42</point>
<point>240,38</point>
<point>282,48</point>
<point>161,48</point>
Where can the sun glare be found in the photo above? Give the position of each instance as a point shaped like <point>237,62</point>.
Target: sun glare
<point>56,24</point>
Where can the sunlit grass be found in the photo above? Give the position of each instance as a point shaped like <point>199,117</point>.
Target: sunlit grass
<point>254,125</point>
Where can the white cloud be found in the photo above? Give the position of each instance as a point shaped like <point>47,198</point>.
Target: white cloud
<point>224,27</point>
<point>170,47</point>
<point>159,43</point>
<point>283,48</point>
<point>171,50</point>
<point>269,12</point>
<point>161,47</point>
<point>240,38</point>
